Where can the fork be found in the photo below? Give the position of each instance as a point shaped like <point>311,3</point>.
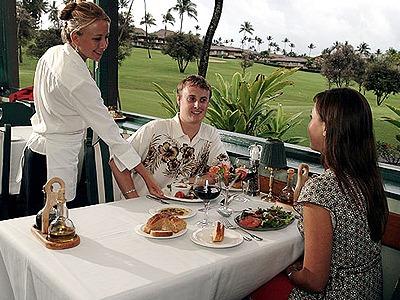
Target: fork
<point>157,199</point>
<point>229,225</point>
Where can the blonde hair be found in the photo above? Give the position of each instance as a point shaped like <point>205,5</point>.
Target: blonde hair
<point>78,15</point>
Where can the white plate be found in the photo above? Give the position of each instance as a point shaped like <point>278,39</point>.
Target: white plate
<point>167,193</point>
<point>190,213</point>
<point>203,237</point>
<point>15,138</point>
<point>139,231</point>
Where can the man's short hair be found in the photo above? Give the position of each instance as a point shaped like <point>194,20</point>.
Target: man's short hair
<point>193,80</point>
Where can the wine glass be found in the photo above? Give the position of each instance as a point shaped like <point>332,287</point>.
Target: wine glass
<point>228,180</point>
<point>206,186</point>
<point>1,113</point>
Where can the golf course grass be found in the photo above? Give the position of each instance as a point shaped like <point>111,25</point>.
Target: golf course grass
<point>137,73</point>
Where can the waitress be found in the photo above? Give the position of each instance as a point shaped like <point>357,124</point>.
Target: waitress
<point>67,101</point>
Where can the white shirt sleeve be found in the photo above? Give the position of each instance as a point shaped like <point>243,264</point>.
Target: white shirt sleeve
<point>87,100</point>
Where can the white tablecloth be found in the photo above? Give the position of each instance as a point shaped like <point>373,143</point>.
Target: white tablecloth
<point>19,137</point>
<point>113,262</point>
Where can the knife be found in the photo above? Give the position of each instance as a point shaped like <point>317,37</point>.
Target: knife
<point>157,198</point>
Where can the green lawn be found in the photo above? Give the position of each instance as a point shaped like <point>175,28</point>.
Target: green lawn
<point>137,92</point>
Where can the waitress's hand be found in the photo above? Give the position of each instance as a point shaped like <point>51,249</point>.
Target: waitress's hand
<point>153,187</point>
<point>302,177</point>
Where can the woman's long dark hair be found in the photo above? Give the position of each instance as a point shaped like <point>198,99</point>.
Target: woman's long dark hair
<point>350,151</point>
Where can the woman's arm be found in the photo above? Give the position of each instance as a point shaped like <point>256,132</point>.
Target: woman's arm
<point>124,181</point>
<point>318,234</point>
<point>126,184</point>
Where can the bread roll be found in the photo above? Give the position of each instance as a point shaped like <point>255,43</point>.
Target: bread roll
<point>218,232</point>
<point>161,233</point>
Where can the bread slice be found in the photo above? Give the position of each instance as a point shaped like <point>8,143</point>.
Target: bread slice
<point>218,232</point>
<point>164,222</point>
<point>160,233</point>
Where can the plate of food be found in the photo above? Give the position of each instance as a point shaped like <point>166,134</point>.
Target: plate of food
<point>183,212</point>
<point>181,195</point>
<point>216,237</point>
<point>264,219</point>
<point>162,226</point>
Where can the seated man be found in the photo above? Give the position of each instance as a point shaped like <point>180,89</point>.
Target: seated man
<point>177,148</point>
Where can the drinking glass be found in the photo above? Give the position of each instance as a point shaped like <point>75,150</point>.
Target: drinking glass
<point>207,187</point>
<point>227,182</point>
<point>1,113</point>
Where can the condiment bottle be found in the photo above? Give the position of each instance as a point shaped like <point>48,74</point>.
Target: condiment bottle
<point>254,181</point>
<point>287,192</point>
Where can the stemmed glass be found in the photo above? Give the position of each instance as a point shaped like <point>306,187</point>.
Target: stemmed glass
<point>1,113</point>
<point>228,181</point>
<point>207,187</point>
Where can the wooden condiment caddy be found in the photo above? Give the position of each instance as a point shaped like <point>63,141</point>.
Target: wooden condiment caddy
<point>53,198</point>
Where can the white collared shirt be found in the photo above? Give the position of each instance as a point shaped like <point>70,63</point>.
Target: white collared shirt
<point>170,155</point>
<point>67,101</point>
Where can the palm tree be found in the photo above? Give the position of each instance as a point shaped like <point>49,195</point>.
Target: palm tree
<point>311,46</point>
<point>285,41</point>
<point>205,50</point>
<point>197,28</point>
<point>167,18</point>
<point>259,42</point>
<point>148,20</point>
<point>246,27</point>
<point>291,45</point>
<point>185,6</point>
<point>363,48</point>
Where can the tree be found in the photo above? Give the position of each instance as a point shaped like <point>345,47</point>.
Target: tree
<point>285,41</point>
<point>197,28</point>
<point>43,40</point>
<point>246,27</point>
<point>311,47</point>
<point>185,6</point>
<point>25,28</point>
<point>149,21</point>
<point>183,48</point>
<point>126,30</point>
<point>167,18</point>
<point>337,65</point>
<point>383,78</point>
<point>53,15</point>
<point>291,45</point>
<point>36,8</point>
<point>212,27</point>
<point>364,49</point>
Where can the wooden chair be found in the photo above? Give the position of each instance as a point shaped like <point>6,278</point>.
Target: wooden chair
<point>16,114</point>
<point>5,174</point>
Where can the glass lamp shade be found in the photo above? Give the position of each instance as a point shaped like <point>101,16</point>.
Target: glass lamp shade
<point>274,155</point>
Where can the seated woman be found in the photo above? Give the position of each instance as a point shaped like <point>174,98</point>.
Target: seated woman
<point>343,210</point>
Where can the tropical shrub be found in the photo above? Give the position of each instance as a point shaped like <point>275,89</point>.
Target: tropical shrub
<point>394,121</point>
<point>243,106</point>
<point>169,104</point>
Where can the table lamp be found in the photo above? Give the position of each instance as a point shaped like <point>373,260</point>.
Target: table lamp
<point>273,157</point>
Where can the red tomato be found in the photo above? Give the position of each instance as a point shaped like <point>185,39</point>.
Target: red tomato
<point>180,194</point>
<point>250,222</point>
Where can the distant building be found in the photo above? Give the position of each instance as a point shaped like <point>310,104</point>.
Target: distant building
<point>225,52</point>
<point>286,61</point>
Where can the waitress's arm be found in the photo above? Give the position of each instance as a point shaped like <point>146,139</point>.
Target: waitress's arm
<point>318,235</point>
<point>87,101</point>
<point>124,181</point>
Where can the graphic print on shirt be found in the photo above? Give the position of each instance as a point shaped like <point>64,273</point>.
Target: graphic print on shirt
<point>178,160</point>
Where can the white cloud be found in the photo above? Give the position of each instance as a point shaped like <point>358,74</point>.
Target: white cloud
<point>321,22</point>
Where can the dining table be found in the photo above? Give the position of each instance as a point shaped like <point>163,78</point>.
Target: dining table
<point>19,138</point>
<point>115,260</point>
